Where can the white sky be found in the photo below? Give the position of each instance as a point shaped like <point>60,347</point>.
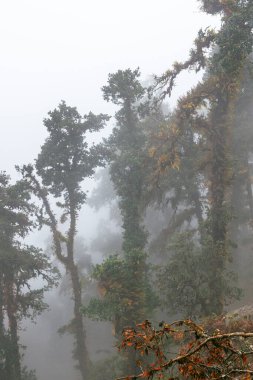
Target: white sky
<point>62,49</point>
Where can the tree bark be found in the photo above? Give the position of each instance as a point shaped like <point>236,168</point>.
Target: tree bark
<point>80,351</point>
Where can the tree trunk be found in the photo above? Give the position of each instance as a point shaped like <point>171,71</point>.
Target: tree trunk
<point>13,327</point>
<point>249,191</point>
<point>80,351</point>
<point>218,213</point>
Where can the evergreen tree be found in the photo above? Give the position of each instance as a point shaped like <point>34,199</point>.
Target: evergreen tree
<point>126,145</point>
<point>64,162</point>
<point>19,264</point>
<point>123,280</point>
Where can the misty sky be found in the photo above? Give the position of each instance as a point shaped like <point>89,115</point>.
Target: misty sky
<point>62,49</point>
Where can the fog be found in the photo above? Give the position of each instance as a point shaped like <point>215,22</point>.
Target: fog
<point>54,50</point>
<point>61,50</point>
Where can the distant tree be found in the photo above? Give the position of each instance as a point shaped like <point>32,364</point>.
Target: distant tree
<point>19,265</point>
<point>65,161</point>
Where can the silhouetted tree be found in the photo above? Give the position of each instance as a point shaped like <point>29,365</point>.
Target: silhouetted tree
<point>64,162</point>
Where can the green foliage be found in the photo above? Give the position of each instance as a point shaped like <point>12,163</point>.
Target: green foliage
<point>126,146</point>
<point>184,282</point>
<point>123,87</point>
<point>234,41</point>
<point>125,290</point>
<point>211,6</point>
<point>20,264</point>
<point>107,369</point>
<point>192,164</point>
<point>123,281</point>
<point>210,167</point>
<point>65,158</point>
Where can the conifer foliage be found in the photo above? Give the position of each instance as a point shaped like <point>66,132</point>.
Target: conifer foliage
<point>64,162</point>
<point>123,279</point>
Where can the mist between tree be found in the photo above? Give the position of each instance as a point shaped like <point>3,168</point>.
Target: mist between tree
<point>171,191</point>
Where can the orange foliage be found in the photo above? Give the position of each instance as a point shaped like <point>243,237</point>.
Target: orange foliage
<point>213,350</point>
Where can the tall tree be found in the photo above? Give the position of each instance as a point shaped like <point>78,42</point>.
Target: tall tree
<point>210,110</point>
<point>123,281</point>
<point>126,145</point>
<point>19,264</point>
<point>64,162</point>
